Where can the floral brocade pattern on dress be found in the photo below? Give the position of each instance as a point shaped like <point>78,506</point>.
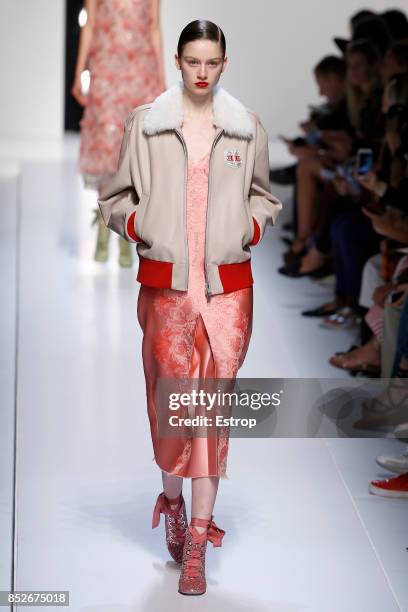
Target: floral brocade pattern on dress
<point>170,319</point>
<point>123,69</point>
<point>228,323</point>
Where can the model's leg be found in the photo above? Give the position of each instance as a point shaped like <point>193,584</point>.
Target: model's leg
<point>204,492</point>
<point>172,486</point>
<point>171,503</point>
<point>192,578</point>
<point>125,253</point>
<point>102,240</point>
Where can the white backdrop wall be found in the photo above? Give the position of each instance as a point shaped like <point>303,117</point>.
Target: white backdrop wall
<point>272,47</point>
<point>32,66</point>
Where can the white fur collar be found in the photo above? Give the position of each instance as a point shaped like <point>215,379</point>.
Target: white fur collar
<point>166,113</point>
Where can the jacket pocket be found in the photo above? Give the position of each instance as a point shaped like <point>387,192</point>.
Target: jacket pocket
<point>251,229</point>
<point>256,232</point>
<point>140,216</point>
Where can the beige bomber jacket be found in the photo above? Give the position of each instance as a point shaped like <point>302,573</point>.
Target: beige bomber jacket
<point>145,201</point>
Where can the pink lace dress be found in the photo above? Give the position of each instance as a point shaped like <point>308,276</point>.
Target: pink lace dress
<point>123,69</point>
<point>187,337</point>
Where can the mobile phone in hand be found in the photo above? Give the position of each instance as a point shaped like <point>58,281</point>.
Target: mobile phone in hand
<point>364,161</point>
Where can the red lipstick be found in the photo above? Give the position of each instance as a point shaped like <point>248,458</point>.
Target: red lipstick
<point>202,84</point>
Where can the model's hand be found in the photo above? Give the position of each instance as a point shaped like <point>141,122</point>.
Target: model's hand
<point>76,92</point>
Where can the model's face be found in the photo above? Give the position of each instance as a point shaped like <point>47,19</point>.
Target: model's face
<point>201,62</point>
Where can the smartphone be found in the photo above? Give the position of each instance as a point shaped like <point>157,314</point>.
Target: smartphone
<point>364,162</point>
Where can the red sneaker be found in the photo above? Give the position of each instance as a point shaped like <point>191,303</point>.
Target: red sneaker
<point>391,487</point>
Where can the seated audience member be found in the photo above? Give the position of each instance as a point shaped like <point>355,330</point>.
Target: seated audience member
<point>364,98</point>
<point>353,22</point>
<point>389,219</point>
<point>396,22</point>
<point>372,28</point>
<point>395,60</point>
<point>312,151</point>
<point>330,77</point>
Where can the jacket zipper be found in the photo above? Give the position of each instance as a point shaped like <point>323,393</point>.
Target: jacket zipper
<point>207,284</point>
<point>185,201</point>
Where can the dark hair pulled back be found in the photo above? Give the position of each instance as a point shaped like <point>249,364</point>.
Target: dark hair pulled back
<point>201,28</point>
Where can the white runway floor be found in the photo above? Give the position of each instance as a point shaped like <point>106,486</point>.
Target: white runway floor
<point>302,531</point>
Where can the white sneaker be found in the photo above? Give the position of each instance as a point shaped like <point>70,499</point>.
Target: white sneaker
<point>398,464</point>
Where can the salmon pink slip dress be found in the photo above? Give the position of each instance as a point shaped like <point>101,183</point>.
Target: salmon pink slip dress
<point>186,335</point>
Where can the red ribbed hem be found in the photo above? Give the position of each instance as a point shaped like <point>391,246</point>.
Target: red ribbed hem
<point>155,273</point>
<point>236,275</point>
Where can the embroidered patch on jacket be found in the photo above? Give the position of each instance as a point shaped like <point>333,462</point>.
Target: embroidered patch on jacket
<point>233,158</point>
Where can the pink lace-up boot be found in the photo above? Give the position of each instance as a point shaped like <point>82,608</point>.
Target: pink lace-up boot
<point>176,524</point>
<point>192,579</point>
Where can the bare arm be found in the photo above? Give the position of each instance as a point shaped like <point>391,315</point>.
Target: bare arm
<point>157,39</point>
<point>85,41</point>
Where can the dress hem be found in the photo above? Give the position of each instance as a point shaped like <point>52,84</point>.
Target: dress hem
<point>223,477</point>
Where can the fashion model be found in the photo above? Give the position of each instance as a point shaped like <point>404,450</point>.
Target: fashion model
<point>192,190</point>
<point>121,45</point>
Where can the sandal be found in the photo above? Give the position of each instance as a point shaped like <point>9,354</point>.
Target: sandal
<point>352,348</point>
<point>378,414</point>
<point>344,318</point>
<point>291,257</point>
<point>355,364</point>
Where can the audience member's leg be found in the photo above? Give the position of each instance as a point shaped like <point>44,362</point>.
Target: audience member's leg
<point>308,186</point>
<point>357,241</point>
<point>338,255</point>
<point>402,340</point>
<point>331,205</point>
<point>392,316</point>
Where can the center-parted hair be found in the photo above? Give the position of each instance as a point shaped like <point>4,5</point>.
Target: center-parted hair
<point>201,28</point>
